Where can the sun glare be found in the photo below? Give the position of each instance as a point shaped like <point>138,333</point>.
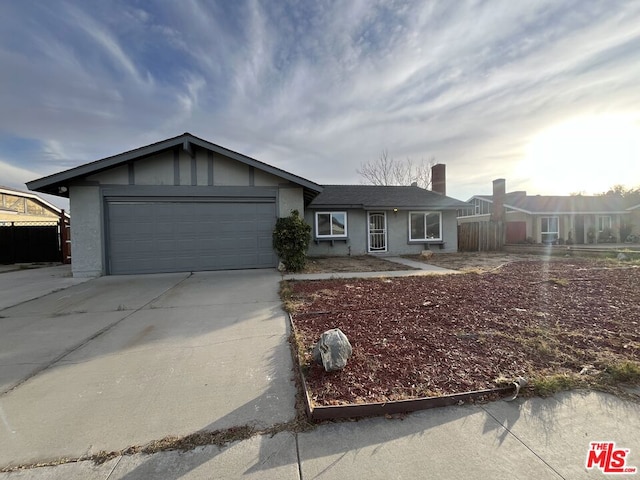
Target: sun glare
<point>585,154</point>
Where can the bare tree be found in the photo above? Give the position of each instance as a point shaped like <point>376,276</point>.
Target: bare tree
<point>388,171</point>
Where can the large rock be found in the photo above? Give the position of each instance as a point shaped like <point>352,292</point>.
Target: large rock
<point>332,350</point>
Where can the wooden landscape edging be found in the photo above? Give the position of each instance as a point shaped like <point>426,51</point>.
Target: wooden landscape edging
<point>331,412</point>
<point>397,406</point>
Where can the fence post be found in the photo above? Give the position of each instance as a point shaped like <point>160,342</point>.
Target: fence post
<point>64,239</point>
<point>12,244</point>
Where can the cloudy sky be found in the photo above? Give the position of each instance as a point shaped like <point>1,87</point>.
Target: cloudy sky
<point>545,94</point>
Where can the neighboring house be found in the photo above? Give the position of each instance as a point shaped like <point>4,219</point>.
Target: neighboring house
<point>31,229</point>
<point>17,206</point>
<point>577,219</point>
<point>359,219</point>
<point>185,204</point>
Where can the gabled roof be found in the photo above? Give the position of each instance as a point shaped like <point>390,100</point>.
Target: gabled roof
<point>32,196</point>
<point>540,204</point>
<point>52,183</point>
<point>387,197</point>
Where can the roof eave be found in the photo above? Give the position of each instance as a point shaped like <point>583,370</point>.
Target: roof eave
<point>45,184</point>
<point>334,206</point>
<point>576,212</point>
<point>51,184</point>
<point>327,206</point>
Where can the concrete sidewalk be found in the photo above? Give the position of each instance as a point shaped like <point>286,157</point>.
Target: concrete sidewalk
<point>526,439</point>
<point>420,269</point>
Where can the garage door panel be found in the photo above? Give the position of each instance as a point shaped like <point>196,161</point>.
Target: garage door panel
<point>265,242</point>
<point>146,237</point>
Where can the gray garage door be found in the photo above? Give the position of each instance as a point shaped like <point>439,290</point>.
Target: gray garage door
<point>150,237</point>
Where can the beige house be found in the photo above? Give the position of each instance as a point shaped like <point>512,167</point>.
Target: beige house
<point>19,207</point>
<point>572,219</point>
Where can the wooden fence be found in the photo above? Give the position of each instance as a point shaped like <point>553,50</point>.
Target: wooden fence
<point>26,242</point>
<point>480,237</point>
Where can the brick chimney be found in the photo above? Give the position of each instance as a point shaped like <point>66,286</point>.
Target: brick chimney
<point>439,178</point>
<point>499,192</point>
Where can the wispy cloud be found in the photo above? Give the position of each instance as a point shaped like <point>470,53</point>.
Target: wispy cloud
<point>304,85</point>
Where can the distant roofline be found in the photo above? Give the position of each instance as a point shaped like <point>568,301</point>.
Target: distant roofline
<point>489,198</point>
<point>33,196</point>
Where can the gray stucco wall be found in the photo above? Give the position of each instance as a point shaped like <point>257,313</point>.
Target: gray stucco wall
<point>356,243</point>
<point>115,176</point>
<point>201,170</point>
<point>156,170</point>
<point>397,235</point>
<point>86,231</point>
<point>450,231</point>
<point>290,199</point>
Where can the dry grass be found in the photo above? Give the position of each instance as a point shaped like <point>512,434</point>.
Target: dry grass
<point>183,443</point>
<point>360,263</point>
<point>289,304</point>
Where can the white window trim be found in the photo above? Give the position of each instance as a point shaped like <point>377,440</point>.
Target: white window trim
<point>424,213</point>
<point>599,221</point>
<point>346,221</point>
<point>557,233</point>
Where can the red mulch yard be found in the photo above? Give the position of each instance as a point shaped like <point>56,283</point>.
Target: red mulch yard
<point>445,334</point>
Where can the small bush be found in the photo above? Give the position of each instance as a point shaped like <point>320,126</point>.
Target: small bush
<point>291,239</point>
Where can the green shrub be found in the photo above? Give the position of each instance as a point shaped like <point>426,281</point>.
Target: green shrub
<point>625,371</point>
<point>291,239</point>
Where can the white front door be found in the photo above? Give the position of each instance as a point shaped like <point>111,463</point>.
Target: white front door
<point>377,232</point>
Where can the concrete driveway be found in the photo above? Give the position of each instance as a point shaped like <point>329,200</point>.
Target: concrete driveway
<point>124,360</point>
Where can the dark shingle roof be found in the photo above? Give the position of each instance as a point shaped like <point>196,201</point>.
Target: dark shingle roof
<point>564,204</point>
<point>387,197</point>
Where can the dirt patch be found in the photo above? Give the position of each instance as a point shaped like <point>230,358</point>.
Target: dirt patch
<point>561,322</point>
<point>361,263</point>
<point>476,261</point>
<point>467,262</point>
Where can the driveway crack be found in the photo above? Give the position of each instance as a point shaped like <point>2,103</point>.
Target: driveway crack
<point>523,443</point>
<point>298,456</point>
<point>84,342</point>
<point>114,468</point>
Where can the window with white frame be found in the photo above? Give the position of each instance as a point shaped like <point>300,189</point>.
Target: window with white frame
<point>549,229</point>
<point>604,222</point>
<point>331,224</point>
<point>425,226</point>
